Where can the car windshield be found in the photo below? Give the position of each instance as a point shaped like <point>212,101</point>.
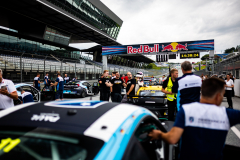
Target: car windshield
<point>73,82</point>
<point>151,93</point>
<point>41,146</point>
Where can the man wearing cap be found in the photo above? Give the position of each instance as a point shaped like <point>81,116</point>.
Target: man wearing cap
<point>8,93</point>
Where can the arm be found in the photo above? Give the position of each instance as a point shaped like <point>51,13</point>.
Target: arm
<point>12,95</point>
<point>124,84</point>
<point>46,81</point>
<point>131,88</point>
<point>164,91</point>
<point>171,137</point>
<point>54,84</point>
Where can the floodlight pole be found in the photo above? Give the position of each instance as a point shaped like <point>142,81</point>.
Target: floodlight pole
<point>21,66</point>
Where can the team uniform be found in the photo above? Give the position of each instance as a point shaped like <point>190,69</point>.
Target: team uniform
<point>116,90</point>
<point>37,85</point>
<point>188,89</point>
<point>26,97</point>
<point>46,83</point>
<point>171,98</point>
<point>205,130</point>
<point>59,87</point>
<point>66,79</point>
<point>129,83</point>
<point>5,101</point>
<point>105,89</point>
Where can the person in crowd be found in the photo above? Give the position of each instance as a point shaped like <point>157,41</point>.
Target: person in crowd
<point>66,78</point>
<point>74,79</point>
<point>105,81</point>
<point>229,87</point>
<point>202,126</point>
<point>46,81</point>
<point>36,82</point>
<point>126,79</point>
<point>232,78</point>
<point>113,75</point>
<point>161,79</point>
<point>123,78</point>
<point>8,93</point>
<point>188,86</point>
<point>206,76</point>
<point>171,97</point>
<point>26,97</point>
<point>131,83</point>
<point>60,86</point>
<point>116,88</point>
<point>100,86</point>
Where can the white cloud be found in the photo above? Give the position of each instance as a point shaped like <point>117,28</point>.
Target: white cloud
<point>156,21</point>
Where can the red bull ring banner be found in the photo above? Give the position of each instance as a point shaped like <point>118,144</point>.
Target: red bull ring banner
<point>171,47</point>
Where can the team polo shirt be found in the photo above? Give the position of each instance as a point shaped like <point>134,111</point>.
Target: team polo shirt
<point>188,89</point>
<point>27,97</point>
<point>45,78</point>
<point>117,85</point>
<point>36,79</point>
<point>66,79</point>
<point>60,84</point>
<point>5,101</point>
<point>205,130</point>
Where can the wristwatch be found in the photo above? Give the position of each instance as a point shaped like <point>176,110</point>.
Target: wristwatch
<point>9,95</point>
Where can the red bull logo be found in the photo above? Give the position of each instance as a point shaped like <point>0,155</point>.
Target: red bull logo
<point>143,49</point>
<point>174,47</point>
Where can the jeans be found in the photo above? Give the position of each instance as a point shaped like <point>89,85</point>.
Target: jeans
<point>105,95</point>
<point>229,98</point>
<point>59,94</point>
<point>171,109</point>
<point>117,97</point>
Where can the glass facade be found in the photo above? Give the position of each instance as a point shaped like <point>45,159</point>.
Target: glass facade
<point>87,12</point>
<point>56,36</point>
<point>8,42</point>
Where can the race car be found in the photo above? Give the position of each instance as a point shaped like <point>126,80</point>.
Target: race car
<point>152,98</point>
<point>83,130</point>
<point>80,88</point>
<point>149,81</point>
<point>28,88</point>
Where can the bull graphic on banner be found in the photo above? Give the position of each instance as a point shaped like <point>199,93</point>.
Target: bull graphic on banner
<point>201,45</point>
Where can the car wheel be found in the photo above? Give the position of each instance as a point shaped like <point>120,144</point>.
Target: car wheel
<point>83,95</point>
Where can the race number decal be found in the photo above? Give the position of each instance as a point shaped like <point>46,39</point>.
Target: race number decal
<point>9,144</point>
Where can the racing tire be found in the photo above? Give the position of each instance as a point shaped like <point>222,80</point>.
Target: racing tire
<point>83,94</point>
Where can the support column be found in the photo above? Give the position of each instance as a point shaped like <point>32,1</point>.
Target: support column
<point>85,71</point>
<point>75,69</point>
<point>21,68</point>
<point>234,69</point>
<point>95,72</point>
<point>104,58</point>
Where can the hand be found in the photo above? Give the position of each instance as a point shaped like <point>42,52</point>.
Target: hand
<point>4,92</point>
<point>170,93</point>
<point>127,93</point>
<point>154,134</point>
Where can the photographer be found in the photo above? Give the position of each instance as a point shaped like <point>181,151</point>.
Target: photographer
<point>8,93</point>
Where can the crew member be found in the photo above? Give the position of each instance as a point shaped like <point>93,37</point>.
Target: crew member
<point>66,79</point>
<point>60,85</point>
<point>100,87</point>
<point>116,88</point>
<point>25,97</point>
<point>74,79</point>
<point>188,86</point>
<point>36,82</point>
<point>131,83</point>
<point>46,81</point>
<point>105,81</point>
<point>113,75</point>
<point>171,97</point>
<point>203,126</point>
<point>8,93</point>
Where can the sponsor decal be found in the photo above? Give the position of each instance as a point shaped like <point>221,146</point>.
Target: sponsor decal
<point>191,119</point>
<point>47,117</point>
<point>9,144</point>
<point>143,49</point>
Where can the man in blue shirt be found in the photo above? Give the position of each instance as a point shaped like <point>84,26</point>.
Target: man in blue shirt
<point>59,83</point>
<point>25,97</point>
<point>46,81</point>
<point>187,87</point>
<point>66,79</point>
<point>36,82</point>
<point>202,126</point>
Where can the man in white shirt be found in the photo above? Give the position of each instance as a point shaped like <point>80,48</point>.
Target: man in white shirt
<point>8,92</point>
